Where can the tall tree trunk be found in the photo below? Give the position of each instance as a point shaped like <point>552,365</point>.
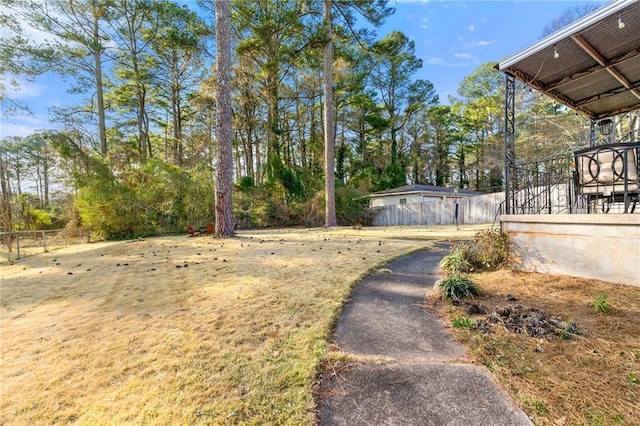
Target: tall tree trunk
<point>97,51</point>
<point>273,123</point>
<point>329,140</point>
<point>143,121</point>
<point>224,172</point>
<point>5,218</point>
<point>45,179</point>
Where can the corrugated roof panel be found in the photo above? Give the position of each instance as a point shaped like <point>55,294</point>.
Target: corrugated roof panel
<point>620,102</point>
<point>630,69</point>
<point>589,86</point>
<point>613,42</point>
<point>597,61</point>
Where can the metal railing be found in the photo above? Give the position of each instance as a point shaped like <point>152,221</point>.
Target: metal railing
<point>603,178</point>
<point>609,174</point>
<point>18,244</point>
<point>543,187</point>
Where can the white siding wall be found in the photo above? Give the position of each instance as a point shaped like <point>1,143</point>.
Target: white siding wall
<point>394,200</point>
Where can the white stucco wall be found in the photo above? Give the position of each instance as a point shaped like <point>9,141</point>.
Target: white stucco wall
<point>598,246</point>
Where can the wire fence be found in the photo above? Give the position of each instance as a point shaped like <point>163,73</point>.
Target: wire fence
<point>19,244</point>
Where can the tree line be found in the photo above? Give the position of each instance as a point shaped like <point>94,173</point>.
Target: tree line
<point>322,106</point>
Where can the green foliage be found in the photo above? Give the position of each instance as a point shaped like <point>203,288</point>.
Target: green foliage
<point>458,260</point>
<point>246,183</point>
<point>456,287</point>
<point>351,207</point>
<point>633,378</point>
<point>40,219</point>
<point>156,198</point>
<point>463,322</point>
<point>600,303</point>
<point>289,179</point>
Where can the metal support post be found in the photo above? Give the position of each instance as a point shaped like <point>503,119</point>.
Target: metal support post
<point>509,138</point>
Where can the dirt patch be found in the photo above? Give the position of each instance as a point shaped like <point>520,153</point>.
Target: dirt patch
<point>520,319</point>
<point>589,379</point>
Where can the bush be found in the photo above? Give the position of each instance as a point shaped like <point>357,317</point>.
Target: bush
<point>458,260</point>
<point>351,207</point>
<point>489,250</point>
<point>456,287</point>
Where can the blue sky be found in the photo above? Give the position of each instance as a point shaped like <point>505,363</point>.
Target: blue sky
<point>452,38</point>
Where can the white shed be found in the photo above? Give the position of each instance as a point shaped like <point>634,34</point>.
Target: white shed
<point>410,194</point>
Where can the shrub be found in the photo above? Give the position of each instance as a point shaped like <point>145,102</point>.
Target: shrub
<point>487,251</point>
<point>490,250</point>
<point>456,287</point>
<point>458,260</point>
<point>351,207</point>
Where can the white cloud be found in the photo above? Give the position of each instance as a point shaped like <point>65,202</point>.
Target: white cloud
<point>464,55</point>
<point>25,89</point>
<point>23,125</point>
<point>33,34</point>
<point>481,43</point>
<point>443,62</point>
<point>471,28</point>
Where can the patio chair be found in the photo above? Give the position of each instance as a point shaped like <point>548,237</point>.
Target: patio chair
<point>209,228</point>
<point>193,232</point>
<point>610,173</point>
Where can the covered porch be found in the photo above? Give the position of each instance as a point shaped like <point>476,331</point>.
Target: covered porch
<point>578,214</point>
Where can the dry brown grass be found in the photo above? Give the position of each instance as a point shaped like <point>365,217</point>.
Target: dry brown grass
<point>114,333</point>
<point>587,380</point>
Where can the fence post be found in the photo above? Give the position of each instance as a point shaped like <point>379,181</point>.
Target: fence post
<point>44,241</point>
<point>18,245</point>
<point>9,244</point>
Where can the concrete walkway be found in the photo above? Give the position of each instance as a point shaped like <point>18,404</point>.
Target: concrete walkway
<point>430,383</point>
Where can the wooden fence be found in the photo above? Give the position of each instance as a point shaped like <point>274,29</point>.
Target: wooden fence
<point>19,244</point>
<point>480,209</point>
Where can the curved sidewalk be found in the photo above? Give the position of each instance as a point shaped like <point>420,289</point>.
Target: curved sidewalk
<point>429,383</point>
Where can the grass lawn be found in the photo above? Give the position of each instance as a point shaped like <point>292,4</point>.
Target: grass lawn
<point>177,330</point>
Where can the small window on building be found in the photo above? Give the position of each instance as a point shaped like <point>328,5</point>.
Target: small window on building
<point>403,201</point>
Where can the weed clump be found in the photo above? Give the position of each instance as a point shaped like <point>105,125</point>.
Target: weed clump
<point>488,251</point>
<point>463,322</point>
<point>456,287</point>
<point>458,260</point>
<point>600,304</point>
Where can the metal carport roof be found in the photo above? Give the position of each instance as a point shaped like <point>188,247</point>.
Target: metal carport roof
<point>592,65</point>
